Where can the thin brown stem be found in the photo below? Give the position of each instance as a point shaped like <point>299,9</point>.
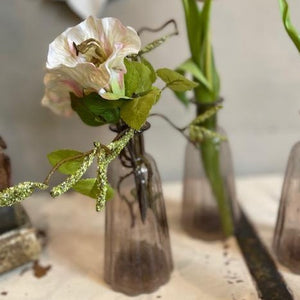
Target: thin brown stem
<point>169,121</point>
<point>124,198</point>
<point>140,31</point>
<point>60,163</point>
<point>180,130</point>
<point>120,134</point>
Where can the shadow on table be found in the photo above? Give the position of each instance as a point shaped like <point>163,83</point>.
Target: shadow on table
<point>216,268</point>
<point>82,251</point>
<point>75,235</point>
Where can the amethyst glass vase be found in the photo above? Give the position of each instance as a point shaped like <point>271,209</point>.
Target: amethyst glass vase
<point>138,256</point>
<point>200,211</point>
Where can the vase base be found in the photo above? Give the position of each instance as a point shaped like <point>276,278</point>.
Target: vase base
<point>140,270</point>
<point>289,254</point>
<point>204,225</point>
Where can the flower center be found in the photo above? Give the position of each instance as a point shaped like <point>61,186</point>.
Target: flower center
<point>92,50</point>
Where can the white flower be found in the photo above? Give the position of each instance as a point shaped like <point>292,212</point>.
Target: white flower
<point>88,58</point>
<point>58,87</point>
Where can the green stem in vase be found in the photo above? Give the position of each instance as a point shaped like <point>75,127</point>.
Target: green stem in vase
<point>211,160</point>
<point>202,67</point>
<point>210,155</point>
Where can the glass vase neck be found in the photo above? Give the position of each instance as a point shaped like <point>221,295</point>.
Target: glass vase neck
<point>121,126</point>
<point>136,146</point>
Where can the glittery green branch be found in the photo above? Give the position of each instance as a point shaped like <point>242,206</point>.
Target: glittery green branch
<point>206,115</point>
<point>156,43</point>
<point>105,156</point>
<point>18,193</point>
<point>71,180</point>
<point>198,133</point>
<point>101,181</point>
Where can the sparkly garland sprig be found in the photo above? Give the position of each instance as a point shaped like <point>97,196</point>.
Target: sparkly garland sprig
<point>195,132</point>
<point>71,180</point>
<point>19,192</point>
<point>104,154</point>
<point>198,133</point>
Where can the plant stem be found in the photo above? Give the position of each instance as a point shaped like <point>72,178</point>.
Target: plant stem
<point>60,163</point>
<point>210,155</point>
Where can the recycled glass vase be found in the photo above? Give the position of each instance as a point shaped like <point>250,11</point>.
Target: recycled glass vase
<point>286,240</point>
<point>138,256</point>
<point>200,211</point>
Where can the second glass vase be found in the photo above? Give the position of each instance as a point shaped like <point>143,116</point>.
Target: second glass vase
<point>200,211</point>
<point>137,245</point>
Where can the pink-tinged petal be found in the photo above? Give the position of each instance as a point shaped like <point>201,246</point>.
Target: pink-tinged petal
<point>117,33</point>
<point>73,86</point>
<point>61,51</point>
<point>124,41</point>
<point>87,75</point>
<point>57,93</point>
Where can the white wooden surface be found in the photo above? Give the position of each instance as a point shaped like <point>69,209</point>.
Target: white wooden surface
<point>202,270</point>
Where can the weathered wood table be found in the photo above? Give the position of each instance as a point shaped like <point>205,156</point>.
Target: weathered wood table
<point>208,271</point>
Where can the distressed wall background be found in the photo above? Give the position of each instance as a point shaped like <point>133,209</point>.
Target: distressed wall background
<point>259,67</point>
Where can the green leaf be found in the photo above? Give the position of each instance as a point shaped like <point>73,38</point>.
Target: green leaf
<point>215,79</point>
<point>175,81</point>
<point>86,115</point>
<point>190,67</point>
<point>150,67</point>
<point>198,28</point>
<point>135,112</point>
<point>69,167</point>
<point>138,78</point>
<point>88,187</point>
<point>203,95</point>
<point>205,17</point>
<point>75,177</point>
<point>194,30</point>
<point>98,105</point>
<point>290,29</point>
<point>109,193</point>
<point>182,96</point>
<point>96,111</point>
